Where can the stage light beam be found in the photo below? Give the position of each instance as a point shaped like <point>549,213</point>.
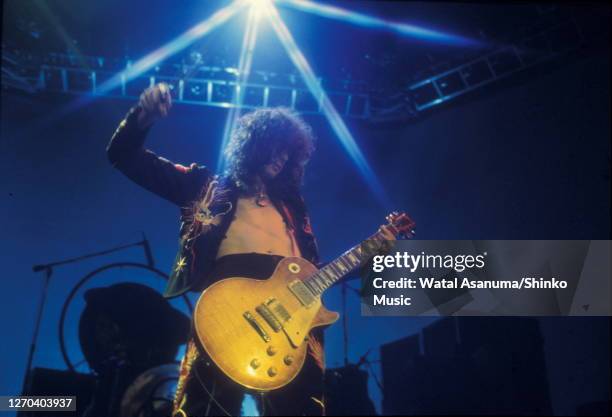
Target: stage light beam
<point>244,68</point>
<point>63,34</point>
<point>150,60</point>
<point>260,7</point>
<point>404,29</point>
<point>173,47</point>
<point>328,109</point>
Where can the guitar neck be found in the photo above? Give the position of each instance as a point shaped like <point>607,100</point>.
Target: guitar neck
<point>343,265</point>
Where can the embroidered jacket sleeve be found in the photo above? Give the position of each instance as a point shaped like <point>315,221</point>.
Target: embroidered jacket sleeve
<point>174,182</point>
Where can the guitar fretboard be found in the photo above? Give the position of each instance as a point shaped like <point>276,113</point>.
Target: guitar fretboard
<point>342,265</point>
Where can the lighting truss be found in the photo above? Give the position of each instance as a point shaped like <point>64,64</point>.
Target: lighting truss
<point>13,74</point>
<point>538,48</point>
<point>178,44</point>
<point>238,88</point>
<point>215,86</point>
<point>278,90</point>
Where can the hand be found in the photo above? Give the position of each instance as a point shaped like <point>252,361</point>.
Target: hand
<point>155,102</point>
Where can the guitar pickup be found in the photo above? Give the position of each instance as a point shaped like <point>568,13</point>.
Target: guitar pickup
<point>255,324</point>
<point>279,310</point>
<point>301,292</point>
<point>269,317</point>
<point>274,313</point>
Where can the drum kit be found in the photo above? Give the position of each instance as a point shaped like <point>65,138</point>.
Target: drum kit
<point>129,335</point>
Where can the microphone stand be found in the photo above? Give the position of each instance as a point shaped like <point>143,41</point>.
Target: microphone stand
<point>344,324</point>
<point>48,268</point>
<point>344,287</point>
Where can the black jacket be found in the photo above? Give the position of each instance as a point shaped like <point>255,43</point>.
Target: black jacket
<point>207,203</point>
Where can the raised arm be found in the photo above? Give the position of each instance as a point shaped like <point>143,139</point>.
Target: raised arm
<point>126,152</point>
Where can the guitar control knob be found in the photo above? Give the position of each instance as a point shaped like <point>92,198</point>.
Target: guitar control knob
<point>255,363</point>
<point>271,350</point>
<point>288,360</point>
<point>272,371</point>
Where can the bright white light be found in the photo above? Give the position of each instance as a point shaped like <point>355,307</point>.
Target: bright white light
<point>243,71</point>
<point>176,45</point>
<point>260,7</point>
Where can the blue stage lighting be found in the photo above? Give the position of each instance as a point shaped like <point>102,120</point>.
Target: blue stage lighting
<point>172,47</point>
<point>244,68</point>
<point>361,19</point>
<point>326,106</point>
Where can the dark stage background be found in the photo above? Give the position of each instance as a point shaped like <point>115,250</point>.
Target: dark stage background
<point>528,158</point>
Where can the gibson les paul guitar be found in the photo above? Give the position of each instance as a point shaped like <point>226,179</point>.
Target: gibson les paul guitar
<point>256,331</point>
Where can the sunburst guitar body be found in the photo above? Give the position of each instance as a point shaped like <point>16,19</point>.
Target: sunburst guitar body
<point>256,331</point>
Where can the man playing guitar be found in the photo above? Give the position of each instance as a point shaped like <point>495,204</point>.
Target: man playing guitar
<point>238,224</point>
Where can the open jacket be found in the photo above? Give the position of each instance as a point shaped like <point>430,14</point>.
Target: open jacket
<point>207,205</point>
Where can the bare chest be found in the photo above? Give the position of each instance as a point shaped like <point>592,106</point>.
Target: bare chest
<point>258,229</point>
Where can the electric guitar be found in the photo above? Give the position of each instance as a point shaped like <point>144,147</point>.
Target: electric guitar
<point>256,331</point>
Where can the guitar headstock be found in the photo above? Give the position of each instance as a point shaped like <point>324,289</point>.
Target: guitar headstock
<point>401,224</point>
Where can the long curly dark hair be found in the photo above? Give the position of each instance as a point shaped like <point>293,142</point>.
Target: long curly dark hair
<point>258,137</point>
